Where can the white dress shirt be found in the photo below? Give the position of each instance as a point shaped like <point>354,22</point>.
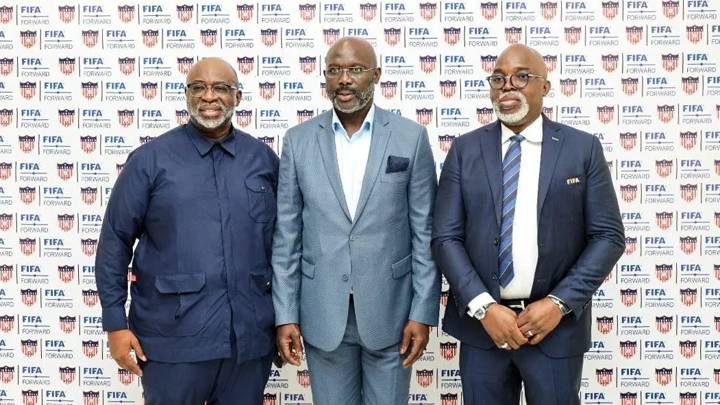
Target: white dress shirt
<point>352,156</point>
<point>524,242</point>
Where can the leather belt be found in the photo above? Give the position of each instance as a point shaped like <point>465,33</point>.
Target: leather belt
<point>516,304</point>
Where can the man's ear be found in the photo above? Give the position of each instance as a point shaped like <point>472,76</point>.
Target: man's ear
<point>376,75</point>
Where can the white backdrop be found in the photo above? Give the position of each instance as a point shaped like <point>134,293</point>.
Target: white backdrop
<point>82,84</point>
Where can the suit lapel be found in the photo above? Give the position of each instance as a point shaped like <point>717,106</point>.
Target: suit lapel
<point>490,150</point>
<point>378,144</point>
<point>326,144</point>
<point>551,146</point>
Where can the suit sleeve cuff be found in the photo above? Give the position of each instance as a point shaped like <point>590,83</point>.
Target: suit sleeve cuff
<point>281,319</point>
<point>567,309</point>
<point>478,302</point>
<point>425,320</point>
<point>114,319</point>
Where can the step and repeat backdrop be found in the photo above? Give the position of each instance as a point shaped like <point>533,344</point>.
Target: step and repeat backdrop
<point>84,83</point>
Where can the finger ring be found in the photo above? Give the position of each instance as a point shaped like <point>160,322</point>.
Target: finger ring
<point>505,346</point>
<point>529,334</point>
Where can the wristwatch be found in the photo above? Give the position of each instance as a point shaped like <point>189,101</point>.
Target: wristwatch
<point>564,309</point>
<point>482,311</point>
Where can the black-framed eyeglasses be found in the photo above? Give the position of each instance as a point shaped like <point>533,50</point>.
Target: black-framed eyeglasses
<point>517,80</point>
<point>219,89</point>
<point>354,71</point>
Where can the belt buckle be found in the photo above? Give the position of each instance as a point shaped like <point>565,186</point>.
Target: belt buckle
<point>520,306</point>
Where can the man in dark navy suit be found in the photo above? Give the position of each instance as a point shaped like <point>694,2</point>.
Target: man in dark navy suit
<point>526,228</point>
<point>200,202</point>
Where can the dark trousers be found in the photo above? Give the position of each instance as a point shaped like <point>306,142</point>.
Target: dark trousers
<point>494,376</point>
<point>215,382</point>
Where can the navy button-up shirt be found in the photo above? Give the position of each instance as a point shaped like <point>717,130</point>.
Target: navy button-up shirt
<point>202,214</point>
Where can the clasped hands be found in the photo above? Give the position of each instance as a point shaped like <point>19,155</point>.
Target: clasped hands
<point>510,330</point>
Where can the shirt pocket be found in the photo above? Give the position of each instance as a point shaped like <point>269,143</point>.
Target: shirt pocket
<point>261,199</point>
<point>181,309</point>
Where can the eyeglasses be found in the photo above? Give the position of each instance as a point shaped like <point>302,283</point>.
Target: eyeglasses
<point>354,71</point>
<point>219,89</point>
<point>517,80</point>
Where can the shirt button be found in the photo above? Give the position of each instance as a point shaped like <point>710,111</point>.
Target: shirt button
<point>345,277</point>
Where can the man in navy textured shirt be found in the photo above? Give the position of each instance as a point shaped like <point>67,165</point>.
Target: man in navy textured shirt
<point>200,202</point>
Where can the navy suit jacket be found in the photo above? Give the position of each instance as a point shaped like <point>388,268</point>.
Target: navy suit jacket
<point>580,232</point>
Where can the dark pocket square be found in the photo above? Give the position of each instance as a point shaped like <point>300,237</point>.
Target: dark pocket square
<point>397,164</point>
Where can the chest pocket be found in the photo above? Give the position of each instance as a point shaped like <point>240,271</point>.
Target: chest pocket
<point>261,199</point>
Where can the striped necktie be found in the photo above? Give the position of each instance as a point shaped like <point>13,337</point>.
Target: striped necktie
<point>511,174</point>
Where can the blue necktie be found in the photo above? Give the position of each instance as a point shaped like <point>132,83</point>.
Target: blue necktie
<point>511,174</point>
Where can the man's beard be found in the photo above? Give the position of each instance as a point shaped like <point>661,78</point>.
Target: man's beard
<point>214,123</point>
<point>362,99</point>
<point>517,116</point>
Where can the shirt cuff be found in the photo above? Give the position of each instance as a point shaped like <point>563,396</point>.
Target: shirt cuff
<point>479,302</point>
<point>114,319</point>
<point>567,307</point>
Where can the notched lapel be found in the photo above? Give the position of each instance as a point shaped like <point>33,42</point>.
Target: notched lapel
<point>326,144</point>
<point>490,149</point>
<point>551,146</point>
<point>378,143</point>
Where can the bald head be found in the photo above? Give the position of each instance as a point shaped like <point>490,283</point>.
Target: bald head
<point>518,103</point>
<point>215,67</point>
<point>529,58</point>
<point>360,48</point>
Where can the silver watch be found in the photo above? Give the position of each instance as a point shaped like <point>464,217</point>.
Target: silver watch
<point>564,309</point>
<point>482,311</point>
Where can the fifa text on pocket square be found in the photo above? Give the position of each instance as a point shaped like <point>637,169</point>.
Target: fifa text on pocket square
<point>573,180</point>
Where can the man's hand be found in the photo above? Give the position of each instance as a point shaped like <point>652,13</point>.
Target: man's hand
<point>539,318</point>
<point>121,341</point>
<point>500,323</point>
<point>289,343</point>
<point>415,336</point>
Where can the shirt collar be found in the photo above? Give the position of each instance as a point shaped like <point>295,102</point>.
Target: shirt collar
<point>532,133</point>
<point>366,125</point>
<point>203,144</point>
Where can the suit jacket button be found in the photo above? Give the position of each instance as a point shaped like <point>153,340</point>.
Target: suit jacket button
<point>496,241</point>
<point>345,277</point>
<point>494,276</point>
<point>353,237</point>
<point>268,286</point>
